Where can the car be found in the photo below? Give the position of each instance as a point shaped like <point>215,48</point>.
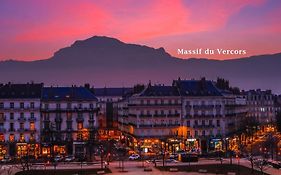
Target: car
<point>69,158</point>
<point>173,156</point>
<point>6,159</point>
<point>134,157</point>
<point>58,158</point>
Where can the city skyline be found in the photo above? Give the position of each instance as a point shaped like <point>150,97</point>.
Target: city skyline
<point>33,30</point>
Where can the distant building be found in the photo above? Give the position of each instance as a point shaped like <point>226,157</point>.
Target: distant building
<point>69,120</point>
<point>260,106</point>
<point>108,99</point>
<point>20,119</point>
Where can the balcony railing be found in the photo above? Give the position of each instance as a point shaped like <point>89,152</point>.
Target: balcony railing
<point>21,119</point>
<point>32,119</point>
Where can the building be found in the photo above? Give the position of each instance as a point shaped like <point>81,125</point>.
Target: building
<point>108,99</point>
<point>152,116</point>
<point>69,121</point>
<point>261,106</point>
<point>20,119</point>
<point>192,115</point>
<point>209,114</point>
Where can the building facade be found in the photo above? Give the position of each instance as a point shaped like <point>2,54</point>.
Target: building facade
<point>260,106</point>
<point>20,119</point>
<point>69,121</point>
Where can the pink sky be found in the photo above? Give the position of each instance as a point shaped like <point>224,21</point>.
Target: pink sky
<point>31,30</point>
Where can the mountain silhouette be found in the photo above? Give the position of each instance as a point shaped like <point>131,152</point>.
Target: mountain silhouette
<point>103,61</point>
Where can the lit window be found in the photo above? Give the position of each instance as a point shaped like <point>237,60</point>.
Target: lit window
<point>32,126</point>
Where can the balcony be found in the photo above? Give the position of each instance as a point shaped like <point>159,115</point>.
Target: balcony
<point>160,115</point>
<point>173,115</point>
<point>58,119</point>
<point>22,130</point>
<point>145,115</point>
<point>2,130</point>
<point>160,125</point>
<point>145,126</point>
<point>79,119</point>
<point>31,119</point>
<point>203,126</point>
<point>21,119</point>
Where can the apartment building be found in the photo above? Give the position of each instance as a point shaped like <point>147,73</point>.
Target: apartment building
<point>20,119</point>
<point>209,114</point>
<point>69,120</point>
<point>261,106</point>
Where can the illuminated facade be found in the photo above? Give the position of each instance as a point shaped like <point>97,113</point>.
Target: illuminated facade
<point>20,119</point>
<point>69,121</point>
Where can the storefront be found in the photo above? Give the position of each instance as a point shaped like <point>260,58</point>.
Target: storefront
<point>192,145</point>
<point>33,149</point>
<point>59,149</point>
<point>22,149</point>
<point>216,144</point>
<point>46,150</point>
<point>3,150</point>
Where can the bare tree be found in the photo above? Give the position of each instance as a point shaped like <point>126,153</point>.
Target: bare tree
<point>261,164</point>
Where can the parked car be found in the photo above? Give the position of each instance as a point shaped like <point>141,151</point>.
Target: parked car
<point>6,159</point>
<point>134,157</point>
<point>58,158</point>
<point>69,158</point>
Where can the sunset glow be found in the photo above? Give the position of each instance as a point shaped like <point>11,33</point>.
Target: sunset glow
<point>31,30</point>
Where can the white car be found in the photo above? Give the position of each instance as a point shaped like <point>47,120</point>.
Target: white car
<point>134,157</point>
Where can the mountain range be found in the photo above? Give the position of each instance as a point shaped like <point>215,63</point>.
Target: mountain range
<point>104,61</point>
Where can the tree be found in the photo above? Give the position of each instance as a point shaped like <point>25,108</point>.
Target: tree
<point>261,165</point>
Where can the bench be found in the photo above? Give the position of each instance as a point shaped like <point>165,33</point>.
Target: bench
<point>147,169</point>
<point>101,172</point>
<point>173,170</point>
<point>202,171</point>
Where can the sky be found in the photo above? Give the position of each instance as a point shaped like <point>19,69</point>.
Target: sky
<point>33,30</point>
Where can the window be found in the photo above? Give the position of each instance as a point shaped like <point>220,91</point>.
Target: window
<point>218,123</point>
<point>80,105</point>
<point>188,133</point>
<point>2,138</point>
<point>203,133</point>
<point>46,106</point>
<point>12,105</point>
<point>91,116</point>
<point>210,122</point>
<point>11,116</point>
<point>21,125</point>
<point>22,139</point>
<point>12,138</point>
<point>1,105</point>
<point>31,115</point>
<point>188,123</point>
<point>68,116</point>
<point>68,105</point>
<point>69,125</point>
<point>196,133</point>
<point>58,126</point>
<point>21,105</point>
<point>58,105</point>
<point>32,126</point>
<point>21,115</point>
<point>79,125</point>
<point>196,122</point>
<point>12,127</point>
<point>91,105</point>
<point>32,105</point>
<point>203,122</point>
